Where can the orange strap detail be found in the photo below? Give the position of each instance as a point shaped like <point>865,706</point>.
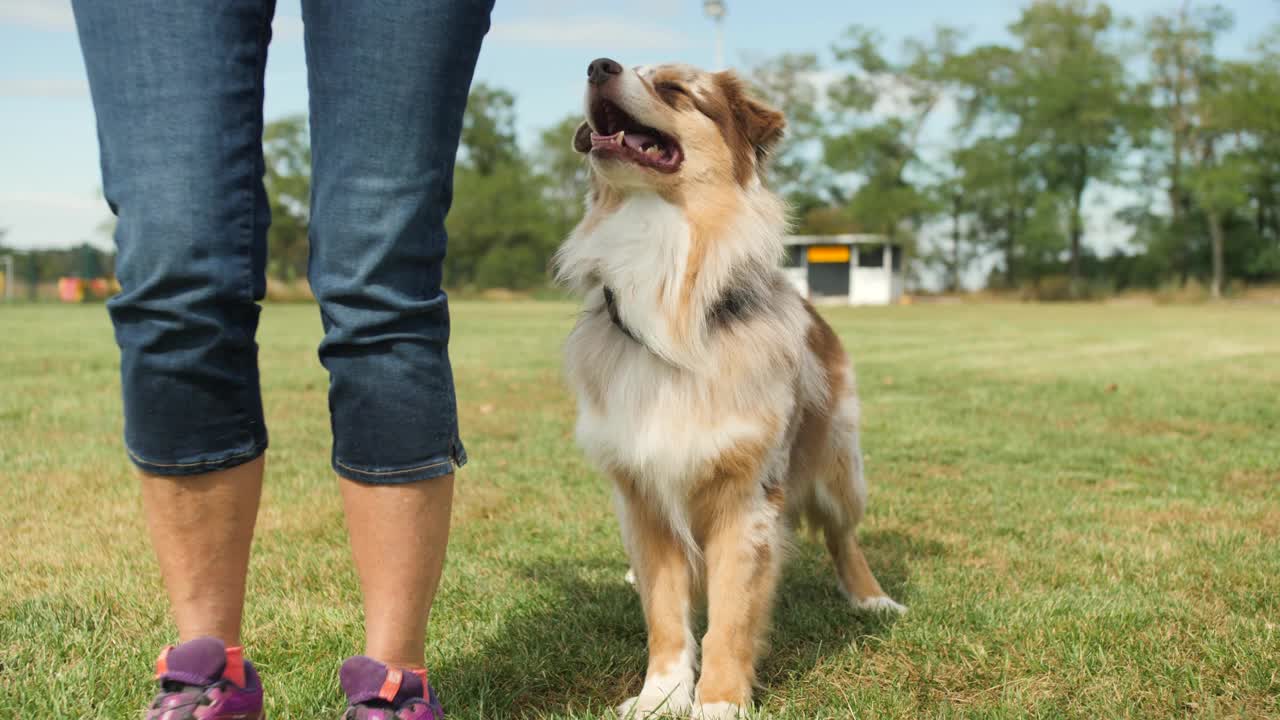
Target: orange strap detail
<point>422,674</point>
<point>391,685</point>
<point>162,662</point>
<point>234,670</point>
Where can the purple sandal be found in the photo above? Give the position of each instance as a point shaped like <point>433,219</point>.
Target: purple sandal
<point>377,692</point>
<point>203,679</point>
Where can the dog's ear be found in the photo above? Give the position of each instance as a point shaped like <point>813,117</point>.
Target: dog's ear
<point>759,125</point>
<point>763,125</point>
<point>582,138</point>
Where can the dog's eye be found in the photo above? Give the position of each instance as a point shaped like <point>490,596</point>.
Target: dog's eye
<point>672,90</point>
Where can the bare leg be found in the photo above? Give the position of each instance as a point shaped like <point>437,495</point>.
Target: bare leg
<point>201,528</point>
<point>398,536</point>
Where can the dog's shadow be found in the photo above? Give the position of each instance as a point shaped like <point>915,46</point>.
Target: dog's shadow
<point>579,647</point>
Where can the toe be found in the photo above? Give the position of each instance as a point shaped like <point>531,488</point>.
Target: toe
<point>881,603</point>
<point>718,711</point>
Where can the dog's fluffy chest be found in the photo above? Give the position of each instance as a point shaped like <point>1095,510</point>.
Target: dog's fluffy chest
<point>664,405</point>
<point>640,415</point>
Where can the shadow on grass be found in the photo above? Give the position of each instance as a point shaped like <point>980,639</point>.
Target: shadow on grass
<point>812,620</point>
<point>578,647</point>
<point>574,645</point>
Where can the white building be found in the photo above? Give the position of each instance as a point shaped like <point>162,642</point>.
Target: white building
<point>845,269</point>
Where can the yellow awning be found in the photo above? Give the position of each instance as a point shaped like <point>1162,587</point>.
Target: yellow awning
<point>829,253</point>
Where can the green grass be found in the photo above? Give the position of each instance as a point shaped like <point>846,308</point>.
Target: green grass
<point>1078,503</point>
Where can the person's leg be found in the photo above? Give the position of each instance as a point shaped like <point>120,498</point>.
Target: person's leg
<point>398,537</point>
<point>177,89</point>
<point>388,84</point>
<point>201,527</point>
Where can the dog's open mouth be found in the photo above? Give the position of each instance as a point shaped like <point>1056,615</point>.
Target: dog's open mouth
<point>617,134</point>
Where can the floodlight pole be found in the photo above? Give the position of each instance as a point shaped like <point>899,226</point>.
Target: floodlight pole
<point>715,9</point>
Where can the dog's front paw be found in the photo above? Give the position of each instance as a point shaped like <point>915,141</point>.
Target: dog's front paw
<point>655,705</point>
<point>881,604</point>
<point>718,711</point>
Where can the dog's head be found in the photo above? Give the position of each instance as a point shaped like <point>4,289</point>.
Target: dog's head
<point>665,127</point>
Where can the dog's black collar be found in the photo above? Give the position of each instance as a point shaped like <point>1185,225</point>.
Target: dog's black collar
<point>735,304</point>
<point>611,304</point>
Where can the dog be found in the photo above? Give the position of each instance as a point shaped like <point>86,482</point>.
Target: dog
<point>721,405</point>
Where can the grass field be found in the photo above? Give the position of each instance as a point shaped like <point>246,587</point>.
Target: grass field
<point>1080,505</point>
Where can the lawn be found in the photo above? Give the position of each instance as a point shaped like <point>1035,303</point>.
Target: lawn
<point>1080,505</point>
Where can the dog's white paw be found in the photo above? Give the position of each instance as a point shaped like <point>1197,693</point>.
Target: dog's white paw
<point>630,577</point>
<point>718,711</point>
<point>653,705</point>
<point>881,603</point>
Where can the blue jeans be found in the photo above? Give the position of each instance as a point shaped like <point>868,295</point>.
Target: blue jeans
<point>177,88</point>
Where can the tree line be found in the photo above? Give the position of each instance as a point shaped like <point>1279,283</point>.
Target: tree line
<point>981,159</point>
<point>35,267</point>
<point>1181,143</point>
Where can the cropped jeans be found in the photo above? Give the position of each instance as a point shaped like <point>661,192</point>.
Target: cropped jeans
<point>177,88</point>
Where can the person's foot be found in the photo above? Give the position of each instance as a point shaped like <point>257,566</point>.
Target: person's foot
<point>203,679</point>
<point>377,692</point>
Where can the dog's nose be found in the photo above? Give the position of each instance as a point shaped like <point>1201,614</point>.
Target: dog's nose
<point>601,70</point>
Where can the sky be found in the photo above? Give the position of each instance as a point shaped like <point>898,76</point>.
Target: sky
<point>537,49</point>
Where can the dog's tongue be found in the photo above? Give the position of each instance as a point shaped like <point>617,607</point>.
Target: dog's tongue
<point>637,140</point>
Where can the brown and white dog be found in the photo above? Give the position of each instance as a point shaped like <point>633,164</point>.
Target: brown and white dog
<point>721,405</point>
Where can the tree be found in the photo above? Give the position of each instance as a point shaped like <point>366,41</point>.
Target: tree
<point>489,129</point>
<point>1077,105</point>
<point>956,256</point>
<point>995,154</point>
<point>1241,173</point>
<point>563,172</point>
<point>884,150</point>
<point>502,230</point>
<point>1219,186</point>
<point>1251,105</point>
<point>1184,70</point>
<point>48,265</point>
<point>286,150</point>
<point>950,192</point>
<point>1001,186</point>
<point>789,83</point>
<point>1218,121</point>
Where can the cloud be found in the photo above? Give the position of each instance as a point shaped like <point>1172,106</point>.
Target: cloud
<point>38,14</point>
<point>44,88</point>
<point>587,33</point>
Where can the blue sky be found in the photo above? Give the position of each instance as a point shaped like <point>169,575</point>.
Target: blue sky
<point>538,49</point>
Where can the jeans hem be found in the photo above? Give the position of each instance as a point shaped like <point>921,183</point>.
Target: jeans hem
<point>436,467</point>
<point>224,461</point>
